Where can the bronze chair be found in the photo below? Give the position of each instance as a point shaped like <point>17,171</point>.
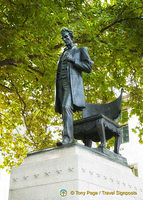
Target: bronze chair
<point>99,123</point>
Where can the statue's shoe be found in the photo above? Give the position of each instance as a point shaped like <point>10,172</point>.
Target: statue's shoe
<point>65,141</point>
<point>102,145</point>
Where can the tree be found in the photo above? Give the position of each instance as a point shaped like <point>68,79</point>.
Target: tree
<point>30,45</point>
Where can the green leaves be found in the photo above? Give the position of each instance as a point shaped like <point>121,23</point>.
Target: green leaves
<point>30,44</point>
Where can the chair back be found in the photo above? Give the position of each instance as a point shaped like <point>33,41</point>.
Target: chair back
<point>111,110</point>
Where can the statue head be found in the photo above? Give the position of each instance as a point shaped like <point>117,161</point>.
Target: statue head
<point>65,30</point>
<point>67,37</point>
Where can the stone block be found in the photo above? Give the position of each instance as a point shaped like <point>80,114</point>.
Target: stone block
<point>74,172</point>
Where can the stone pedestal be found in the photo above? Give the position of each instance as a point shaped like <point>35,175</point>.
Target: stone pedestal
<point>74,172</point>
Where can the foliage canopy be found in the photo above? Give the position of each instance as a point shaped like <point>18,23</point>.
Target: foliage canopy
<point>30,44</point>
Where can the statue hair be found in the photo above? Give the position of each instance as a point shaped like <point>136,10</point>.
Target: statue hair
<point>67,30</point>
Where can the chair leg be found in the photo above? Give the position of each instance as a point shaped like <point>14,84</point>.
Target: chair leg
<point>101,132</point>
<point>117,144</point>
<point>87,142</point>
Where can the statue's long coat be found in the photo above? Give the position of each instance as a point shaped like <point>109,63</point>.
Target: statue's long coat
<point>82,63</point>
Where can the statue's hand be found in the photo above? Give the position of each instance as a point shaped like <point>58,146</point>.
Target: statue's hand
<point>70,58</point>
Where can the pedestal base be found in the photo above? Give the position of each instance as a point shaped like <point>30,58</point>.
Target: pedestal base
<point>74,172</point>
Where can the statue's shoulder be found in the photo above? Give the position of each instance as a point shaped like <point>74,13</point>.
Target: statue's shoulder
<point>84,52</point>
<point>84,48</point>
<point>81,49</point>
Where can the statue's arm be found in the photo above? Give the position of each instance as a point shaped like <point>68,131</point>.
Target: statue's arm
<point>83,62</point>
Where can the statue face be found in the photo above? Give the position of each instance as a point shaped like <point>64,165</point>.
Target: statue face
<point>67,39</point>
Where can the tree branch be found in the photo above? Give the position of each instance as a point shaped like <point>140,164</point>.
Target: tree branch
<point>21,100</point>
<point>13,63</point>
<point>23,107</point>
<point>8,62</point>
<point>35,70</point>
<point>7,88</point>
<point>35,56</point>
<point>119,21</point>
<point>11,2</point>
<point>23,114</point>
